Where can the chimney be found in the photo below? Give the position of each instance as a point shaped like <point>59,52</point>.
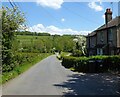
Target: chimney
<point>108,15</point>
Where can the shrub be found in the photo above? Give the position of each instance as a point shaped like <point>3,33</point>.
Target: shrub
<point>68,61</point>
<point>18,59</point>
<point>77,53</point>
<point>92,64</point>
<point>114,63</point>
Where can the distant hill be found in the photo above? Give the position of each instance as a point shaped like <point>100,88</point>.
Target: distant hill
<point>44,42</point>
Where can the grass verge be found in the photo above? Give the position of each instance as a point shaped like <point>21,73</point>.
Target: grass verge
<point>22,68</point>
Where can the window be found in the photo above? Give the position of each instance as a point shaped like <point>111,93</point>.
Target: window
<point>101,37</point>
<point>110,35</point>
<point>99,51</point>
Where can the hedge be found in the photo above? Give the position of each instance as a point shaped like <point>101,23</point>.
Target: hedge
<point>23,62</point>
<point>92,64</point>
<point>19,59</point>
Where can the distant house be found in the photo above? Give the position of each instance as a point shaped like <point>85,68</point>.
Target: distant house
<point>106,39</point>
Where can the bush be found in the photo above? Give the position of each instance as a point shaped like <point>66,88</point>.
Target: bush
<point>18,59</point>
<point>23,62</point>
<point>92,64</point>
<point>114,63</point>
<point>79,63</point>
<point>77,53</point>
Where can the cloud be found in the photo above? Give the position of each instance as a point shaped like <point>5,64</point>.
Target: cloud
<point>62,20</point>
<point>103,16</point>
<point>100,1</point>
<point>55,30</point>
<point>95,6</point>
<point>55,4</point>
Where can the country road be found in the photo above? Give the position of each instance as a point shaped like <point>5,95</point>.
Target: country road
<point>49,77</point>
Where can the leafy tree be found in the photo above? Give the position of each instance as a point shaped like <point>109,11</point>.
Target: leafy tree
<point>0,41</point>
<point>12,18</point>
<point>80,42</point>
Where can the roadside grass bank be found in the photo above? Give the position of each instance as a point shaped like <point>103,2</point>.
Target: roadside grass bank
<point>27,61</point>
<point>0,79</point>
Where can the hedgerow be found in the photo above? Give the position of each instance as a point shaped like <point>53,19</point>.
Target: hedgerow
<point>92,64</point>
<point>23,62</point>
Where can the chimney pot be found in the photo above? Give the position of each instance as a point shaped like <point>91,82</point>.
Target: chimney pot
<point>108,15</point>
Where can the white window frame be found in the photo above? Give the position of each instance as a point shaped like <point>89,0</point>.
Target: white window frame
<point>99,51</point>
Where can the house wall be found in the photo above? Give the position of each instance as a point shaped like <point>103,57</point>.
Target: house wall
<point>87,41</point>
<point>92,41</point>
<point>102,37</point>
<point>92,44</point>
<point>112,36</point>
<point>118,37</point>
<point>102,40</point>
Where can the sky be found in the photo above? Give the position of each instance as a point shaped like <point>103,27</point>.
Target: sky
<point>59,17</point>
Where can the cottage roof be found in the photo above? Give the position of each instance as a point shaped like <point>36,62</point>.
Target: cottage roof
<point>113,22</point>
<point>92,34</point>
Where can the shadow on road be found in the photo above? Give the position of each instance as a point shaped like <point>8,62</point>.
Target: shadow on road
<point>91,84</point>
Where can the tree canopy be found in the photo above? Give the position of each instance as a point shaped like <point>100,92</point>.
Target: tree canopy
<point>12,18</point>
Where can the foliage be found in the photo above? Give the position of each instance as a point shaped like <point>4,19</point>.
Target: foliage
<point>92,64</point>
<point>0,42</point>
<point>42,44</point>
<point>80,47</point>
<point>11,20</point>
<point>77,53</point>
<point>21,49</point>
<point>32,33</point>
<point>59,56</point>
<point>26,60</point>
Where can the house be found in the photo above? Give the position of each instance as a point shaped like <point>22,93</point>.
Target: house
<point>106,39</point>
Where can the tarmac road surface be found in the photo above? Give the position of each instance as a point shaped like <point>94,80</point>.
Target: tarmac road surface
<point>49,77</point>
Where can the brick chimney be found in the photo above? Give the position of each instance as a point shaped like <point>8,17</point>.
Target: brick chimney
<point>108,15</point>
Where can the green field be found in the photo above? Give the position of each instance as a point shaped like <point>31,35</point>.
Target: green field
<point>44,43</point>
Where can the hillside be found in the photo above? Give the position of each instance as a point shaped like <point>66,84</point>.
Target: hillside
<point>34,43</point>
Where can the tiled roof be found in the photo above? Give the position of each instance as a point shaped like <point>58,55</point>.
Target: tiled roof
<point>113,22</point>
<point>92,34</point>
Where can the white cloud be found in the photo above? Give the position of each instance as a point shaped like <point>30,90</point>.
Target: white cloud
<point>55,30</point>
<point>62,20</point>
<point>100,1</point>
<point>103,16</point>
<point>95,6</point>
<point>37,28</point>
<point>55,4</point>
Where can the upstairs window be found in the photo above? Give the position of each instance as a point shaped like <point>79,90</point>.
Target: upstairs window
<point>101,37</point>
<point>110,34</point>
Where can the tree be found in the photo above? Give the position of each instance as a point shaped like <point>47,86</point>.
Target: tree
<point>0,40</point>
<point>80,48</point>
<point>12,18</point>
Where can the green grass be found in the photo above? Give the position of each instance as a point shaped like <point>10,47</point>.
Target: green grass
<point>22,68</point>
<point>64,53</point>
<point>72,69</point>
<point>34,38</point>
<point>0,79</point>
